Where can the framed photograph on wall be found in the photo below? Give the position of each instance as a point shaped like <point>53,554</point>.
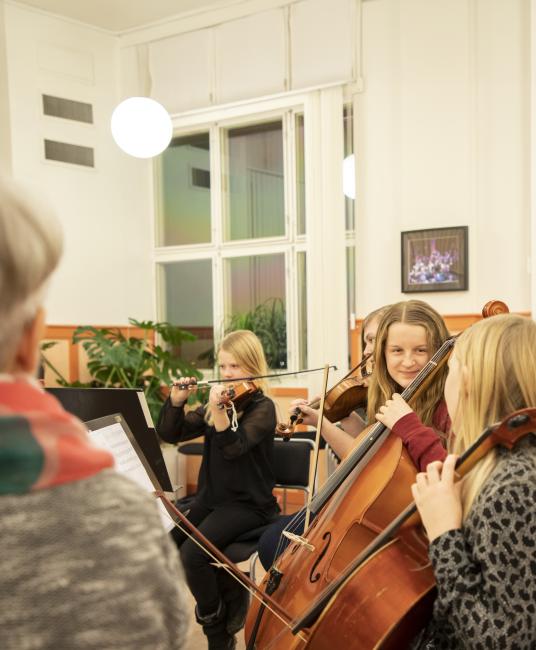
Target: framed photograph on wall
<point>435,260</point>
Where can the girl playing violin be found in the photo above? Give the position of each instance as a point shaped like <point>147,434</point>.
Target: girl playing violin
<point>482,530</point>
<point>408,335</point>
<point>235,484</point>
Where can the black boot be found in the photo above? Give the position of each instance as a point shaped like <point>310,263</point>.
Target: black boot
<point>215,629</point>
<point>236,599</point>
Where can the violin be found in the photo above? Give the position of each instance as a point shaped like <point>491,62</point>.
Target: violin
<point>342,398</point>
<point>237,394</point>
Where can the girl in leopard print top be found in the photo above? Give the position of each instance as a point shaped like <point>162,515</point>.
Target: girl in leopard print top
<point>482,530</point>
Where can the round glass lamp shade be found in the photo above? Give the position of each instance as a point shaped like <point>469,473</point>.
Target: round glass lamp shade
<point>141,127</point>
<point>348,176</point>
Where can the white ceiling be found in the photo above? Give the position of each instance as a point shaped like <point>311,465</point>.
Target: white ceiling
<point>120,15</point>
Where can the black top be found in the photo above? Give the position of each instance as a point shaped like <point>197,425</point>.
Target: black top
<point>237,466</point>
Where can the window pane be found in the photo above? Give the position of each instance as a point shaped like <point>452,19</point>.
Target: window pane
<point>302,310</point>
<point>255,196</point>
<point>184,187</point>
<point>256,301</point>
<point>349,167</point>
<point>300,175</point>
<point>188,304</point>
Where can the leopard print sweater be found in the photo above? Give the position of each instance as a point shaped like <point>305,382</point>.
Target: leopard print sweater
<point>486,572</point>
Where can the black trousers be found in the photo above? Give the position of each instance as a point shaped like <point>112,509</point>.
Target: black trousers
<point>221,525</point>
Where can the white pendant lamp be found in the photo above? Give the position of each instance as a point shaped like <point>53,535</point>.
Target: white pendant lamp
<point>141,127</point>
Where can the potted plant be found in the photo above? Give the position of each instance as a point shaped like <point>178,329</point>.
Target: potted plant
<point>116,360</point>
<point>268,321</point>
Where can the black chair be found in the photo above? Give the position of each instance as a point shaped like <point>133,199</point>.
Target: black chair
<point>292,462</point>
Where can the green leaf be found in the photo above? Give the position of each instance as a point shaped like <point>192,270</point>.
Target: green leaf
<point>116,360</point>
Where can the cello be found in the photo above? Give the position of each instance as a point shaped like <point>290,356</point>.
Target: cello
<point>359,500</point>
<point>385,594</point>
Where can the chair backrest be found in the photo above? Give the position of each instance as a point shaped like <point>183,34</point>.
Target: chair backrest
<point>292,462</point>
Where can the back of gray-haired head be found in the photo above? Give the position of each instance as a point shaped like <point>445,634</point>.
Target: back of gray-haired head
<point>31,244</point>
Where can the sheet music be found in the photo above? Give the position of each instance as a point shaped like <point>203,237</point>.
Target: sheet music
<point>114,439</point>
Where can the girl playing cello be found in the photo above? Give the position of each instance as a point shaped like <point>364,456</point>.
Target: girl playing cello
<point>409,333</point>
<point>482,530</point>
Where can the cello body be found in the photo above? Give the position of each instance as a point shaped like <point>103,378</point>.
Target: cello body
<point>359,510</point>
<point>381,605</point>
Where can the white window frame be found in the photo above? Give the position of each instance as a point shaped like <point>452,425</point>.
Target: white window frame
<point>325,239</point>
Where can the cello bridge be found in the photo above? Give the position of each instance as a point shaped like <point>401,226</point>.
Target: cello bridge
<point>298,539</point>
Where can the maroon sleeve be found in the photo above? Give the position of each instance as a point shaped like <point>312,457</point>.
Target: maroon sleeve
<point>423,443</point>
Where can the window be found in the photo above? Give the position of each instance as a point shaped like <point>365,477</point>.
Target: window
<point>179,281</point>
<point>236,238</point>
<point>255,191</point>
<point>183,202</point>
<point>235,246</point>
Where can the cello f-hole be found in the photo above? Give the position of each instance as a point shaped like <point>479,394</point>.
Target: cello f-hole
<point>312,577</point>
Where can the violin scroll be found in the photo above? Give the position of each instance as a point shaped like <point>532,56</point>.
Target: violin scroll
<point>515,426</point>
<point>287,430</point>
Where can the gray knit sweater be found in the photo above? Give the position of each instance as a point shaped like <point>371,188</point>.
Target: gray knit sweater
<point>87,565</point>
<point>486,572</point>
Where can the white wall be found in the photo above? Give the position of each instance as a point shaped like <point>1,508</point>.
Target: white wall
<point>443,135</point>
<point>106,274</point>
<point>442,119</point>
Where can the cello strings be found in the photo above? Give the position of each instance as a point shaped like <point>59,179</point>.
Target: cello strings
<point>305,513</point>
<point>292,527</point>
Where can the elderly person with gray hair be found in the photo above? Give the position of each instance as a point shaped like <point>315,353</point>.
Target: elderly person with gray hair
<point>86,562</point>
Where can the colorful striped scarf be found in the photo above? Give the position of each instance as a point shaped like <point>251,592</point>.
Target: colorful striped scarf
<point>41,445</point>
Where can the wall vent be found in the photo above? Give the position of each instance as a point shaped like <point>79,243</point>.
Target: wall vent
<point>69,153</point>
<point>200,178</point>
<point>67,109</point>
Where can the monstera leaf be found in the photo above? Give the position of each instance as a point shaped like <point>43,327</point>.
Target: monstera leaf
<point>116,360</point>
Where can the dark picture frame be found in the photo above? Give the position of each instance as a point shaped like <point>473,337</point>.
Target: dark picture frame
<point>435,259</point>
